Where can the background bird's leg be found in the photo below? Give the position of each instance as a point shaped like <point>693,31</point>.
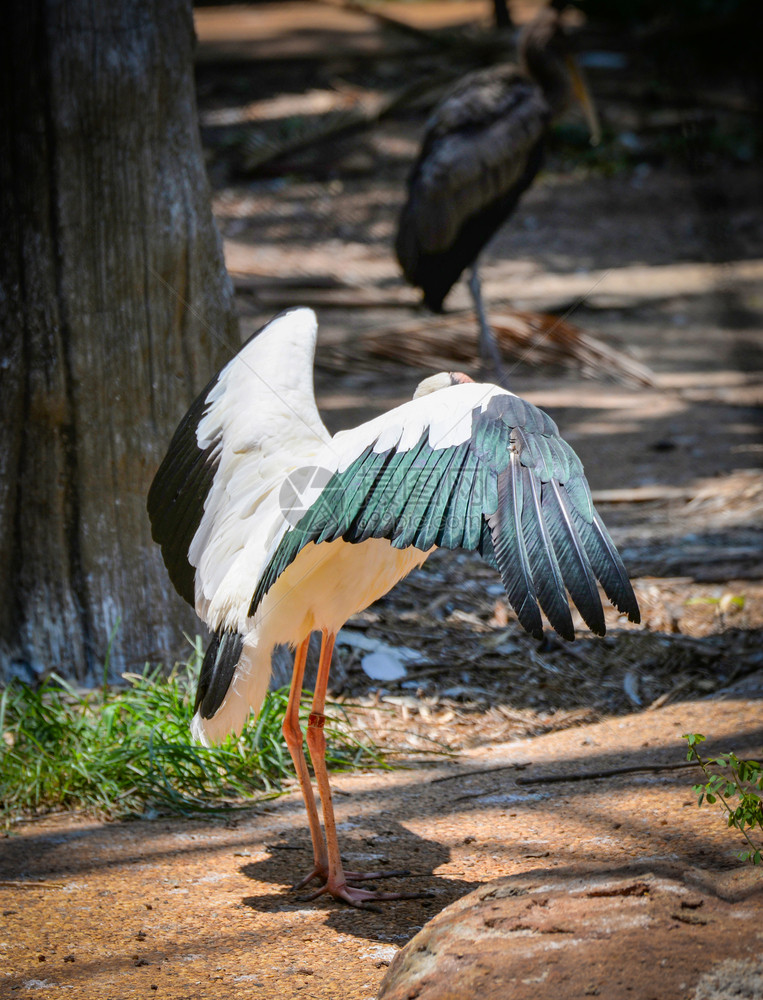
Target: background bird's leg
<point>489,353</point>
<point>293,736</point>
<point>337,880</point>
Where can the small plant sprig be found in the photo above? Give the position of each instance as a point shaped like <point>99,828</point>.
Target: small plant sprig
<point>741,779</point>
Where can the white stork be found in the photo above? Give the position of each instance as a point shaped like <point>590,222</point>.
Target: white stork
<point>462,465</point>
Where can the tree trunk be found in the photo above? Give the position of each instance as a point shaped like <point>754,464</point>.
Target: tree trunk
<point>115,308</point>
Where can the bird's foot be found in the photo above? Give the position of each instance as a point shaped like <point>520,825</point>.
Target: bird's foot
<point>362,899</point>
<point>367,876</point>
<point>320,871</point>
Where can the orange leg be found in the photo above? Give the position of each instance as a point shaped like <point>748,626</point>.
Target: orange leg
<point>337,879</point>
<point>293,736</point>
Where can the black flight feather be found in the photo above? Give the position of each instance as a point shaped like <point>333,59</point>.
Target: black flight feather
<point>395,487</point>
<point>549,585</point>
<point>571,556</point>
<point>342,503</point>
<point>498,493</point>
<point>510,552</point>
<point>458,506</point>
<point>420,493</point>
<point>176,498</point>
<point>431,527</point>
<point>607,564</point>
<point>217,670</point>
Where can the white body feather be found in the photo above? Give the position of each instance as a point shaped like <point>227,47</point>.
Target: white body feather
<point>263,408</point>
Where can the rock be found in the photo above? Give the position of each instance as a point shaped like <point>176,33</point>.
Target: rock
<point>383,666</point>
<point>641,933</point>
<point>740,978</point>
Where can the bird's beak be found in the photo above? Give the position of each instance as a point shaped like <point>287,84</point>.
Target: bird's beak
<point>581,93</point>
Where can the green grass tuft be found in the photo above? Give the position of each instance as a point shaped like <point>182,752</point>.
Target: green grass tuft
<point>117,752</point>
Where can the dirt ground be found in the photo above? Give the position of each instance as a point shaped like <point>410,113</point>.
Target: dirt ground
<point>192,910</point>
<point>655,242</point>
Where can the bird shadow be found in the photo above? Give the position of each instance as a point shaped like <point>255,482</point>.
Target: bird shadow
<point>369,844</point>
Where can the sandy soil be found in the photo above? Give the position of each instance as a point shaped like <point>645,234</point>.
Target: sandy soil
<point>190,910</point>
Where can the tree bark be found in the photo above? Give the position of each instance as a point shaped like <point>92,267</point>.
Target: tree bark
<point>115,308</point>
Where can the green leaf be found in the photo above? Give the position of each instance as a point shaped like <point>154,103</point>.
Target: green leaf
<point>693,738</point>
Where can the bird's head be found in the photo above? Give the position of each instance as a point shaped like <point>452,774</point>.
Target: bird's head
<point>545,31</point>
<point>546,54</point>
<point>440,381</point>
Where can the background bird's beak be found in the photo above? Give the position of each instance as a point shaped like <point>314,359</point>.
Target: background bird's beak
<point>581,93</point>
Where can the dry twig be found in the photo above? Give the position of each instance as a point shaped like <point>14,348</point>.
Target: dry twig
<point>611,772</point>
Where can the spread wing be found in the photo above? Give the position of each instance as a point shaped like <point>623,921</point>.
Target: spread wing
<point>213,502</point>
<point>472,467</point>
